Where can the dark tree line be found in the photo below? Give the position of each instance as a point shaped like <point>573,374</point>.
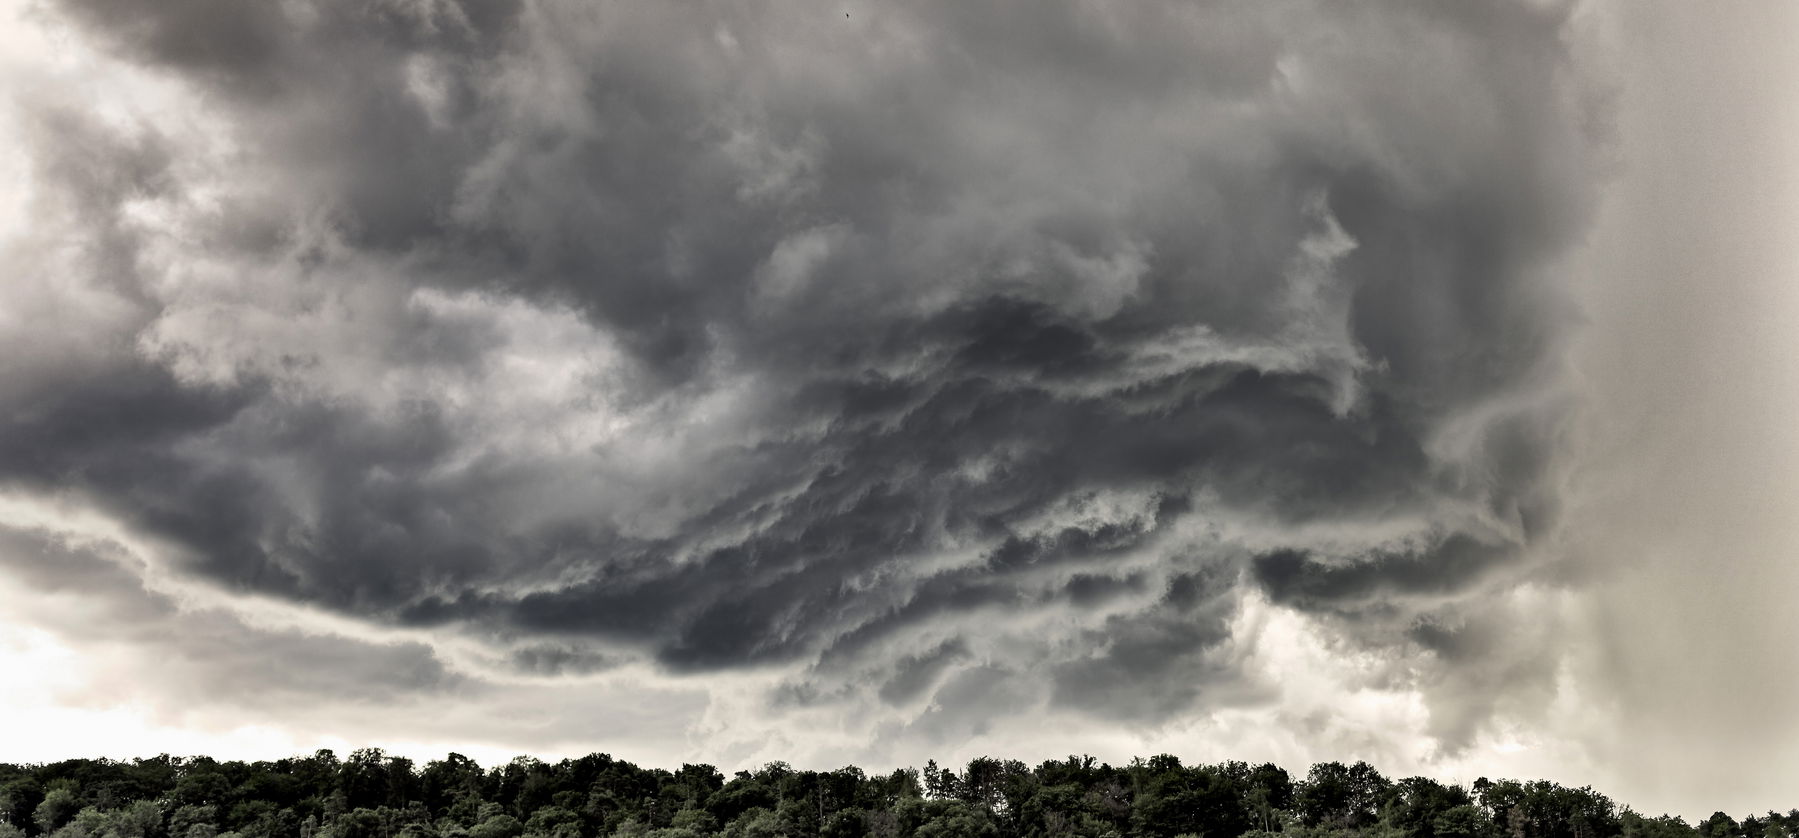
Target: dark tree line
<point>373,795</point>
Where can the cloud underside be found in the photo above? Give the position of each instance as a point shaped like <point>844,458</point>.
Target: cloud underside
<point>933,357</point>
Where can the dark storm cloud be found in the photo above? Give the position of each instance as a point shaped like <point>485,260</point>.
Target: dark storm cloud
<point>719,337</point>
<point>1293,578</point>
<point>914,675</point>
<point>1150,665</point>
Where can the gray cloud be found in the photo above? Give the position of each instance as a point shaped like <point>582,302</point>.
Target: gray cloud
<point>936,350</point>
<point>212,655</point>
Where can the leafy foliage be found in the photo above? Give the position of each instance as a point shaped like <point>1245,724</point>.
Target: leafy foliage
<point>370,794</point>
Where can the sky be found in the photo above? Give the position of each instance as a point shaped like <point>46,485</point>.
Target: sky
<point>874,382</point>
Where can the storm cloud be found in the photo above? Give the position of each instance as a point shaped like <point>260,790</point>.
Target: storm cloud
<point>926,356</point>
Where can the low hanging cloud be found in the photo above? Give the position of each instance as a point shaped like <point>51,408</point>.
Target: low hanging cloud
<point>929,356</point>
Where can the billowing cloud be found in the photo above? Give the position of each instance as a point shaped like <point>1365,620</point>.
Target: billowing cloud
<point>929,359</point>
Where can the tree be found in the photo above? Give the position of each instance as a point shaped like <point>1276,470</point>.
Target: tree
<point>139,819</point>
<point>697,820</point>
<point>940,784</point>
<point>1414,804</point>
<point>1720,825</point>
<point>1270,790</point>
<point>1465,821</point>
<point>496,826</point>
<point>1340,796</point>
<point>956,819</point>
<point>597,797</point>
<point>553,822</point>
<point>58,808</point>
<point>1633,825</point>
<point>19,799</point>
<point>754,823</point>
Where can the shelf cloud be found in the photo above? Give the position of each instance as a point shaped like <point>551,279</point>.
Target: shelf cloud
<point>912,362</point>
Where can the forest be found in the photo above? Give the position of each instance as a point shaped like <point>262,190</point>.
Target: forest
<point>371,794</point>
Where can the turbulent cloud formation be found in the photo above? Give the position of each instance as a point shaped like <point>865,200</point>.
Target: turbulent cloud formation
<point>930,358</point>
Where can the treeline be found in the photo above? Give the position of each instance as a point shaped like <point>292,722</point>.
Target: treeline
<point>373,795</point>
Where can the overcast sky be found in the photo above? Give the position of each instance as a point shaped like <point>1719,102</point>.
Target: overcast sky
<point>882,381</point>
